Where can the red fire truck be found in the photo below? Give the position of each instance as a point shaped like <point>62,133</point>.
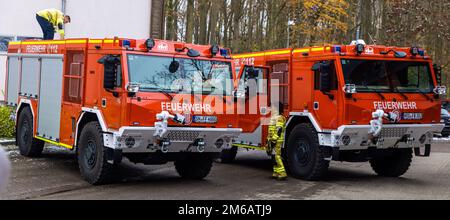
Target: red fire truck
<point>353,103</point>
<point>114,98</point>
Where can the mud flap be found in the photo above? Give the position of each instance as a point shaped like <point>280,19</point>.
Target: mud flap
<point>114,156</point>
<point>427,152</point>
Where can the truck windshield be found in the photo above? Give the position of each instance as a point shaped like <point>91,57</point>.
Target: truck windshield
<point>193,76</point>
<point>388,76</point>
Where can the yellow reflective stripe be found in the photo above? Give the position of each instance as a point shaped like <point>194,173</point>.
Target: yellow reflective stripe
<point>248,146</point>
<point>61,42</point>
<point>249,55</point>
<point>314,49</point>
<point>95,41</point>
<point>278,52</point>
<point>317,49</point>
<point>43,42</point>
<point>75,41</point>
<point>47,42</point>
<point>301,51</point>
<point>281,52</point>
<point>55,143</point>
<point>103,41</point>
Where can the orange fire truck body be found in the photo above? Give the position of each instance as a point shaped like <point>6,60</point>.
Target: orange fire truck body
<point>334,94</point>
<point>123,85</point>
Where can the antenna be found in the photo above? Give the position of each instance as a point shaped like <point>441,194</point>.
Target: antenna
<point>358,32</point>
<point>373,41</point>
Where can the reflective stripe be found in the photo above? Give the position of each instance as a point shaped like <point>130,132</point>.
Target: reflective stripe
<point>248,146</point>
<point>61,42</point>
<point>55,143</point>
<point>282,52</point>
<point>301,51</point>
<point>103,41</point>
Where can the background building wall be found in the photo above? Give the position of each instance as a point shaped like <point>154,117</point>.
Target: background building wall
<point>109,18</point>
<point>90,18</point>
<point>18,17</point>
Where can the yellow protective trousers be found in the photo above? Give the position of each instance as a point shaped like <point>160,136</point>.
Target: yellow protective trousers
<point>276,140</point>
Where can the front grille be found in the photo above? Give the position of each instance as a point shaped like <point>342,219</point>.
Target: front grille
<point>183,136</point>
<point>393,132</point>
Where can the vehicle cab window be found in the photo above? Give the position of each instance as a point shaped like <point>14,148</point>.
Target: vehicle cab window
<point>153,74</point>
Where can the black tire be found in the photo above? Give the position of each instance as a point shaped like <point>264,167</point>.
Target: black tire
<point>229,155</point>
<point>28,145</point>
<point>445,134</point>
<point>92,156</point>
<point>194,167</point>
<point>305,157</point>
<point>395,165</point>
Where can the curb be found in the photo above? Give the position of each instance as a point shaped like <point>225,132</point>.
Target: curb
<point>7,142</point>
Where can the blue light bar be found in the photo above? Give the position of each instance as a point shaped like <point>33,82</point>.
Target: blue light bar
<point>126,43</point>
<point>224,52</point>
<point>336,49</point>
<point>422,52</point>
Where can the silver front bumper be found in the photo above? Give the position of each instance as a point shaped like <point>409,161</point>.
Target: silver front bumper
<point>182,139</point>
<point>356,137</point>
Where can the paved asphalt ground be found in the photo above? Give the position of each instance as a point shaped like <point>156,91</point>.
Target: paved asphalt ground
<point>56,176</point>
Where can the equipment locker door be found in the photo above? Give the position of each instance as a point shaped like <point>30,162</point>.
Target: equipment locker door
<point>13,79</point>
<point>74,72</point>
<point>50,89</point>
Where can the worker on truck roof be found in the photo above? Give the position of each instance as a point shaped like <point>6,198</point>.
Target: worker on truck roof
<point>51,21</point>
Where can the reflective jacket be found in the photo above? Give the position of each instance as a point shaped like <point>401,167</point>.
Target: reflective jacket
<point>277,128</point>
<point>55,17</point>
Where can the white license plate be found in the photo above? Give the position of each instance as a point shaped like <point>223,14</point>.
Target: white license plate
<point>412,116</point>
<point>205,119</point>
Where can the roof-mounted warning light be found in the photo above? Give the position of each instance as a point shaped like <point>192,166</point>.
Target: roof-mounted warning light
<point>215,49</point>
<point>414,51</point>
<point>225,53</point>
<point>126,43</point>
<point>150,43</point>
<point>336,49</point>
<point>360,48</point>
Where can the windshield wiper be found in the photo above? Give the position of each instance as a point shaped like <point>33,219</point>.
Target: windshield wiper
<point>400,92</point>
<point>166,94</point>
<point>375,91</point>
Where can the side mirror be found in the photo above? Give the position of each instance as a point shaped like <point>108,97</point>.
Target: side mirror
<point>325,77</point>
<point>252,73</point>
<point>438,73</point>
<point>174,66</point>
<point>111,65</point>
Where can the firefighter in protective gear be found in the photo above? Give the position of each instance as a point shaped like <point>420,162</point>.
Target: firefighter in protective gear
<point>275,142</point>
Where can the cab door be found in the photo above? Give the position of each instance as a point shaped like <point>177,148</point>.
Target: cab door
<point>253,102</point>
<point>112,91</point>
<point>325,93</point>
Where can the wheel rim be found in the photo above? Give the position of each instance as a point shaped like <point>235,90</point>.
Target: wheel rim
<point>25,132</point>
<point>303,153</point>
<point>91,154</point>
